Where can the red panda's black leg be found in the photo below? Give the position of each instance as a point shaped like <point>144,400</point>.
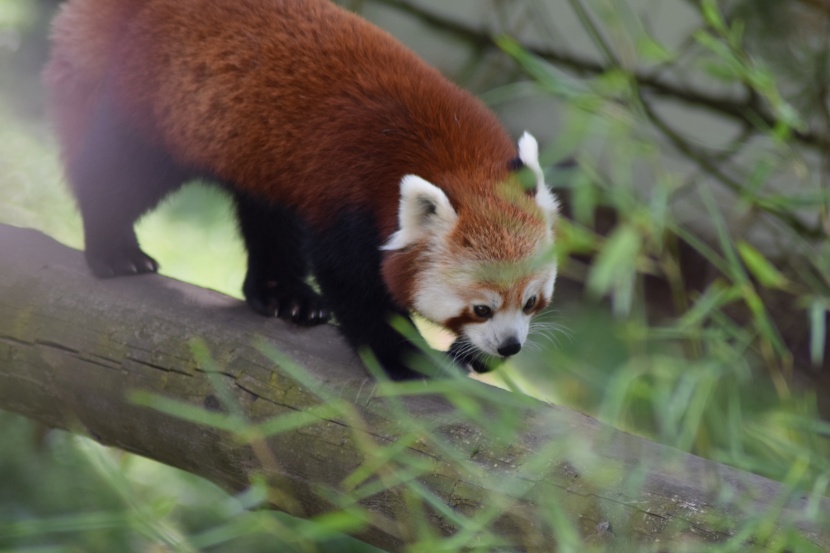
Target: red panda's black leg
<point>117,177</point>
<point>275,285</point>
<point>346,258</point>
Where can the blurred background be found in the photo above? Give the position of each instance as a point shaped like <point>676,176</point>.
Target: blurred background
<point>688,140</point>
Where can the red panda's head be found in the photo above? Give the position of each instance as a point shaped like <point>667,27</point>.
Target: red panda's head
<point>482,268</point>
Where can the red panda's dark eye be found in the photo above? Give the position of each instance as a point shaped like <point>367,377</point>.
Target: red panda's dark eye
<point>530,303</point>
<point>483,311</point>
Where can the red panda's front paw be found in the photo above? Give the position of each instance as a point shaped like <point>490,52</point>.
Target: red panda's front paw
<point>298,304</point>
<point>125,262</point>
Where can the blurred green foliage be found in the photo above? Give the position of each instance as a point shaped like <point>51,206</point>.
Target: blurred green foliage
<point>729,367</point>
<point>66,493</point>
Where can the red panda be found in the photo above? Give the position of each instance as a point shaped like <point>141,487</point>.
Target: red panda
<point>348,158</point>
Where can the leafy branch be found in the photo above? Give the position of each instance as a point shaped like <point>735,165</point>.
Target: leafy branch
<point>749,109</point>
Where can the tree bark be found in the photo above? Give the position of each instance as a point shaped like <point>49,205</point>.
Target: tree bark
<point>74,349</point>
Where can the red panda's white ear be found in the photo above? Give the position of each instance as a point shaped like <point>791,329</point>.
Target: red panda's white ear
<point>529,154</point>
<point>424,211</point>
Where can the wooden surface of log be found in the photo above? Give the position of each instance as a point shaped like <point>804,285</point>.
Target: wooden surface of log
<point>73,349</point>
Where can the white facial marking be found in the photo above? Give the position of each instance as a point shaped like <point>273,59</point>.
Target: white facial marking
<point>548,282</point>
<point>436,299</point>
<point>424,212</point>
<point>509,322</point>
<point>506,324</point>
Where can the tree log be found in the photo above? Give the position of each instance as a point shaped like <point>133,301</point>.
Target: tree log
<point>74,349</point>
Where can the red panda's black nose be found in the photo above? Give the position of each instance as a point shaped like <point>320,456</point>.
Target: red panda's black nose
<point>511,346</point>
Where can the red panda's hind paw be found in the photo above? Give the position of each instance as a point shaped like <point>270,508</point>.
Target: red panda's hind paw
<point>300,304</point>
<point>132,261</point>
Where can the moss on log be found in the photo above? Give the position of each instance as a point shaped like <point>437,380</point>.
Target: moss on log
<point>74,350</point>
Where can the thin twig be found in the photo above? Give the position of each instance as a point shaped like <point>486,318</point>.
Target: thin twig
<point>715,171</point>
<point>744,110</point>
<point>596,35</point>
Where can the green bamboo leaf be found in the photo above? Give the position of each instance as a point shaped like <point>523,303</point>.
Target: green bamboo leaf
<point>764,271</point>
<point>584,198</point>
<point>547,76</point>
<point>715,297</point>
<point>732,265</point>
<point>330,524</point>
<point>818,331</point>
<point>712,15</point>
<point>616,267</point>
<point>187,412</point>
<point>651,50</point>
<point>572,237</point>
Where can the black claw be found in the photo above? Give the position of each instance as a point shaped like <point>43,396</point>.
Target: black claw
<point>298,303</point>
<point>323,315</point>
<point>120,263</point>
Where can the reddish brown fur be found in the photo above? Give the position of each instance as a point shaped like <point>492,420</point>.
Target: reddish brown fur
<point>297,100</point>
<point>494,228</point>
<point>457,323</point>
<point>87,35</point>
<point>310,117</point>
<point>400,272</point>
